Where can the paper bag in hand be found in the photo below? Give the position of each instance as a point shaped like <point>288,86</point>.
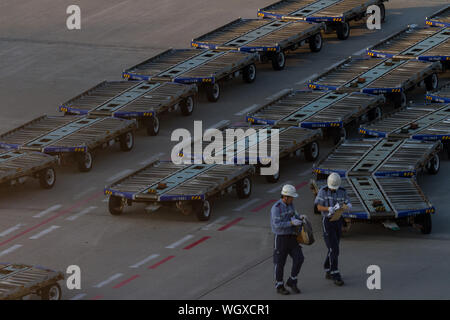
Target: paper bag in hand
<point>338,213</point>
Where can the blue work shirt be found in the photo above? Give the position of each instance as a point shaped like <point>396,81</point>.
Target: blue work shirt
<point>281,215</point>
<point>328,198</point>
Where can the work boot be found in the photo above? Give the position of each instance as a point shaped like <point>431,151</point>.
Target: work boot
<point>328,276</point>
<point>282,290</point>
<point>292,284</point>
<point>338,281</point>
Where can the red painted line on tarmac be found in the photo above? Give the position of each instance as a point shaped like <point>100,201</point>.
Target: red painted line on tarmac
<point>268,203</point>
<point>117,286</point>
<point>225,227</point>
<point>161,262</point>
<point>196,243</point>
<point>59,214</point>
<point>301,185</point>
<point>97,297</point>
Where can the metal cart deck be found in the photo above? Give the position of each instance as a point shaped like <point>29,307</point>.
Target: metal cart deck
<point>140,100</point>
<point>19,280</point>
<point>379,76</point>
<point>427,44</point>
<point>440,18</point>
<point>17,166</point>
<point>335,13</point>
<point>202,67</point>
<point>189,187</point>
<point>270,38</point>
<point>440,96</point>
<point>394,157</point>
<point>70,136</point>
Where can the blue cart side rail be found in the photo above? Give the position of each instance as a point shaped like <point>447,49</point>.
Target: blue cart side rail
<point>424,57</point>
<point>436,98</point>
<point>374,133</point>
<point>431,137</point>
<point>162,198</point>
<point>183,80</point>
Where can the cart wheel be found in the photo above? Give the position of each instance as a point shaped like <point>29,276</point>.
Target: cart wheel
<point>278,61</point>
<point>249,73</point>
<point>213,92</point>
<point>433,165</point>
<point>52,292</point>
<point>127,141</point>
<point>187,106</point>
<point>152,125</point>
<point>382,12</point>
<point>315,42</point>
<point>432,82</point>
<point>400,100</point>
<point>343,30</point>
<point>424,220</point>
<point>339,134</point>
<point>273,177</point>
<point>375,114</point>
<point>244,188</point>
<point>202,210</point>
<point>47,178</point>
<point>116,205</point>
<point>312,151</point>
<point>85,161</point>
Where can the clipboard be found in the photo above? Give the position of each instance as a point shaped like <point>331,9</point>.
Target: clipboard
<point>337,214</point>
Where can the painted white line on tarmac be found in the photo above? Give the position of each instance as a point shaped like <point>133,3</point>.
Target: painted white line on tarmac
<point>150,160</point>
<point>47,211</point>
<point>218,220</point>
<point>44,232</point>
<point>278,94</point>
<point>357,53</point>
<point>140,263</point>
<point>247,204</point>
<point>12,229</point>
<point>306,172</point>
<point>246,110</point>
<point>82,194</point>
<point>109,280</point>
<point>278,187</point>
<point>176,244</point>
<point>119,175</point>
<point>81,213</point>
<point>307,79</point>
<point>79,296</point>
<point>11,249</point>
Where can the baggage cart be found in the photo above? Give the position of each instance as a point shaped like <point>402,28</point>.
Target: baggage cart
<point>17,166</point>
<point>19,280</point>
<point>441,18</point>
<point>390,77</point>
<point>336,14</point>
<point>206,68</point>
<point>139,100</point>
<point>271,39</point>
<point>71,137</point>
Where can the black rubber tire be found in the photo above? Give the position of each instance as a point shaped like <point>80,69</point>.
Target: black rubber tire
<point>202,209</point>
<point>127,141</point>
<point>432,82</point>
<point>433,165</point>
<point>187,106</point>
<point>51,292</point>
<point>249,73</point>
<point>424,220</point>
<point>47,178</point>
<point>312,151</point>
<point>400,100</point>
<point>213,92</point>
<point>375,114</point>
<point>116,205</point>
<point>278,61</point>
<point>244,188</point>
<point>85,161</point>
<point>152,126</point>
<point>382,12</point>
<point>273,178</point>
<point>315,42</point>
<point>342,30</point>
<point>338,134</point>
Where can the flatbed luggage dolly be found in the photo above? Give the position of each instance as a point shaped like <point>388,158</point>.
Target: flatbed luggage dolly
<point>139,100</point>
<point>336,14</point>
<point>440,18</point>
<point>271,39</point>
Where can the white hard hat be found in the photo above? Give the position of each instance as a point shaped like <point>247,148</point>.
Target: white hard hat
<point>289,190</point>
<point>334,181</point>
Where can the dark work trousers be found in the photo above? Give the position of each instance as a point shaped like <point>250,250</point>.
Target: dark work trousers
<point>287,245</point>
<point>332,235</point>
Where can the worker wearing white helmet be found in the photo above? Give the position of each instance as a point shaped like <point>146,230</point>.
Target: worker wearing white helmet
<point>329,199</point>
<point>284,221</point>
